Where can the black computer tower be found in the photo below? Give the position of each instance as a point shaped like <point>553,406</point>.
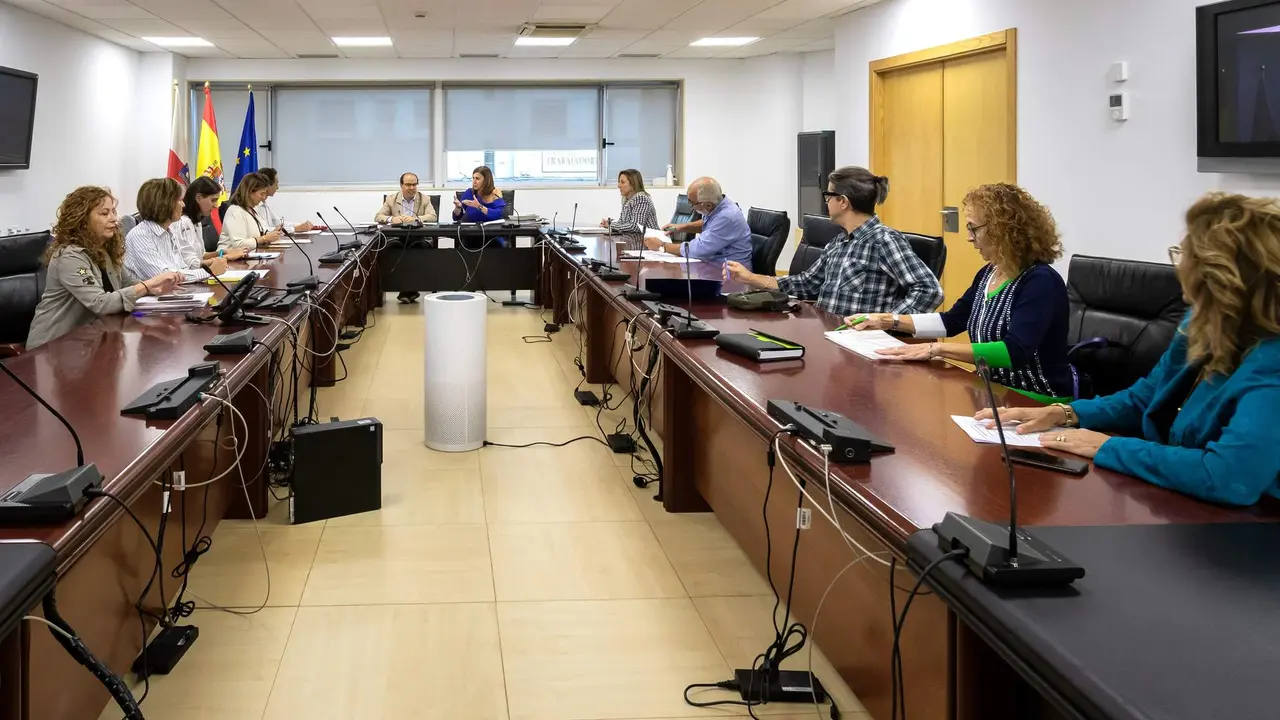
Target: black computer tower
<point>337,470</point>
<point>816,155</point>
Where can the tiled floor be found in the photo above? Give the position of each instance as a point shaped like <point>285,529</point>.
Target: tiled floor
<point>520,584</point>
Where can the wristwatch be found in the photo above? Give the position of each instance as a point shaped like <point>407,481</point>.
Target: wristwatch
<point>896,320</point>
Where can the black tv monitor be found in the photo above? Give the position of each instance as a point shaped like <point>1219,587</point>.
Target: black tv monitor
<point>17,117</point>
<point>1238,79</point>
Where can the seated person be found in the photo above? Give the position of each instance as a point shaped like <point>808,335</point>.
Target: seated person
<point>265,213</point>
<point>868,268</point>
<point>638,213</point>
<point>406,206</point>
<point>1016,309</point>
<point>694,226</point>
<point>154,245</point>
<point>86,276</point>
<point>481,202</point>
<point>198,206</point>
<point>724,235</point>
<point>241,227</point>
<point>1203,422</point>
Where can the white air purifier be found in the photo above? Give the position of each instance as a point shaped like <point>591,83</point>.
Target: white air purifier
<point>454,367</point>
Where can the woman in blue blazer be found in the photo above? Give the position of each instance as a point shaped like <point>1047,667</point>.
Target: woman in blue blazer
<point>1204,421</point>
<point>481,202</point>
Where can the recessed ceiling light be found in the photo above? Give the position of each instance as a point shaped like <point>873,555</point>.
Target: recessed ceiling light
<point>723,41</point>
<point>362,41</point>
<point>544,41</point>
<point>178,42</point>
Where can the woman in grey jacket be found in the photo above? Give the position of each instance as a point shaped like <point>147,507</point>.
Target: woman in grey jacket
<point>86,277</point>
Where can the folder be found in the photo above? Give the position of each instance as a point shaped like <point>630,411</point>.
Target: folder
<point>760,347</point>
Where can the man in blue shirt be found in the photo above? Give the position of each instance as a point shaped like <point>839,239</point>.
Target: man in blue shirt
<point>724,235</point>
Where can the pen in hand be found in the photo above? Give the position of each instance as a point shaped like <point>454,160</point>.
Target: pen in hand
<point>857,320</point>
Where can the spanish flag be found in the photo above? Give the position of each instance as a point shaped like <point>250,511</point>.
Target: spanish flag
<point>209,157</point>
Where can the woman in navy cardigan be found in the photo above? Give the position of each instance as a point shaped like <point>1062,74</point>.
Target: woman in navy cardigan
<point>1016,310</point>
<point>1203,422</point>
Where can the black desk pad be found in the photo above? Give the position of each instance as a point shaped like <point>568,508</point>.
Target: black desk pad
<point>1170,622</point>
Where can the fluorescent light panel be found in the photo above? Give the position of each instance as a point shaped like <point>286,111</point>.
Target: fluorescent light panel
<point>723,41</point>
<point>530,41</point>
<point>361,41</point>
<point>178,42</point>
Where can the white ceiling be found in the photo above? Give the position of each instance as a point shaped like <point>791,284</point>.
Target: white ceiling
<point>289,28</point>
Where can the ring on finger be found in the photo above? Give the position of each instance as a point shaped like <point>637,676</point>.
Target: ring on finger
<point>1060,438</point>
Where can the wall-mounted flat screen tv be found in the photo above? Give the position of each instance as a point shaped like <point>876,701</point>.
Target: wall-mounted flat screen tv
<point>1238,79</point>
<point>17,118</point>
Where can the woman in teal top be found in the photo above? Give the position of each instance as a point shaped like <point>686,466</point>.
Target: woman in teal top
<point>1204,421</point>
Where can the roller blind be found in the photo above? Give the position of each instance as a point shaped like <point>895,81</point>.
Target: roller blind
<point>522,118</point>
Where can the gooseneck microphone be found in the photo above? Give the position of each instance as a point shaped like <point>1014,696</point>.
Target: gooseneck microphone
<point>355,241</point>
<point>984,371</point>
<point>554,215</point>
<point>74,435</point>
<point>310,282</point>
<point>573,224</point>
<point>335,257</point>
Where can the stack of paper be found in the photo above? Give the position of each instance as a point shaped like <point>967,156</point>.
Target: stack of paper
<point>864,342</point>
<point>152,304</point>
<point>287,242</point>
<point>658,257</point>
<point>233,276</point>
<point>263,255</point>
<point>978,430</point>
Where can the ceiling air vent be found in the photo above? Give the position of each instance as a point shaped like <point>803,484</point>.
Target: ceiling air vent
<point>639,55</point>
<point>552,31</point>
<point>479,55</point>
<point>317,56</point>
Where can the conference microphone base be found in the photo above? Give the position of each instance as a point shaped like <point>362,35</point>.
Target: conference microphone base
<point>789,686</point>
<point>1038,565</point>
<point>686,328</point>
<point>48,499</point>
<point>311,282</point>
<point>350,245</point>
<point>635,293</point>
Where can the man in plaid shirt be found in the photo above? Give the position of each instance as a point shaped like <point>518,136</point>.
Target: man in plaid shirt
<point>868,268</point>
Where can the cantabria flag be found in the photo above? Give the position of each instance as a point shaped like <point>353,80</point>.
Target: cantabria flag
<point>209,157</point>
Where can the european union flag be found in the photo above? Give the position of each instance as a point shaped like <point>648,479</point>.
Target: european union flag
<point>247,150</point>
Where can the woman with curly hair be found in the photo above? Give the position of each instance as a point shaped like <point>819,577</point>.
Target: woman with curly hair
<point>1203,422</point>
<point>86,276</point>
<point>1016,309</point>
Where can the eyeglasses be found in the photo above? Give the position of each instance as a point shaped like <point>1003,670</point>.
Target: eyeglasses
<point>830,195</point>
<point>973,229</point>
<point>1175,254</point>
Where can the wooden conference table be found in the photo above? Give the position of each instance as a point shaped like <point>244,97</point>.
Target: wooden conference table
<point>103,560</point>
<point>709,410</point>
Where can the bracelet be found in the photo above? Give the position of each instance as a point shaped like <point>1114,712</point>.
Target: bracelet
<point>1069,414</point>
<point>934,350</point>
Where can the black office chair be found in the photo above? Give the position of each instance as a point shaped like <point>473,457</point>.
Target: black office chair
<point>128,222</point>
<point>932,250</point>
<point>508,197</point>
<point>210,234</point>
<point>769,232</point>
<point>222,209</point>
<point>683,214</point>
<point>435,204</point>
<point>1124,314</point>
<point>22,279</point>
<point>818,232</point>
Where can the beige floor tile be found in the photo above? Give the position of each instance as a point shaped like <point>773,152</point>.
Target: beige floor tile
<point>392,663</point>
<point>226,675</point>
<point>232,573</point>
<point>395,413</point>
<point>742,629</point>
<point>605,659</point>
<point>401,565</point>
<point>404,455</point>
<point>580,561</point>
<point>436,497</point>
<point>705,557</point>
<point>575,483</point>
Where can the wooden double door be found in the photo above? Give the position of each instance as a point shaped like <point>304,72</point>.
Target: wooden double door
<point>943,121</point>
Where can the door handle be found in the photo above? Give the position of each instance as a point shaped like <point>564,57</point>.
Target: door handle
<point>950,219</point>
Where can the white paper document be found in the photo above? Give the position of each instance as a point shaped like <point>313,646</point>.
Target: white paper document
<point>263,255</point>
<point>286,242</point>
<point>658,257</point>
<point>152,303</point>
<point>980,433</point>
<point>864,342</point>
<point>238,275</point>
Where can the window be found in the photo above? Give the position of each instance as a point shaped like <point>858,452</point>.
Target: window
<point>525,134</point>
<point>640,128</point>
<point>352,136</point>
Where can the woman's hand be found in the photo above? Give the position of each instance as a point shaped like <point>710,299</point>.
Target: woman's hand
<point>919,351</point>
<point>270,237</point>
<point>473,203</point>
<point>870,321</point>
<point>457,204</point>
<point>1033,420</point>
<point>162,283</point>
<point>604,223</point>
<point>1078,442</point>
<point>304,227</point>
<point>738,272</point>
<point>218,265</point>
<point>235,254</point>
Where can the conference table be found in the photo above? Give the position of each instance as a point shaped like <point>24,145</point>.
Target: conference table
<point>462,257</point>
<point>709,409</point>
<point>103,561</point>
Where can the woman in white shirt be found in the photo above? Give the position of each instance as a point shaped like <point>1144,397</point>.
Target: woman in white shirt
<point>242,228</point>
<point>265,213</point>
<point>201,197</point>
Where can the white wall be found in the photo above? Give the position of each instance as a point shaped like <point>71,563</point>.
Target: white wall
<point>85,117</point>
<point>1116,189</point>
<point>740,122</point>
<point>820,84</point>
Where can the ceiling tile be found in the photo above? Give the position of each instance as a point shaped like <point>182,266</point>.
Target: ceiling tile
<point>560,12</point>
<point>645,14</point>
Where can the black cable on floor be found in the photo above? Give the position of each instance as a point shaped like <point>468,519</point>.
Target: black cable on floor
<point>548,444</point>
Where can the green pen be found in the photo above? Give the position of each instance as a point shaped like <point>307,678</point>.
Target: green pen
<point>859,319</point>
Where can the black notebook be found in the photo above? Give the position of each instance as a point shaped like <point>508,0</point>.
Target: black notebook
<point>759,346</point>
